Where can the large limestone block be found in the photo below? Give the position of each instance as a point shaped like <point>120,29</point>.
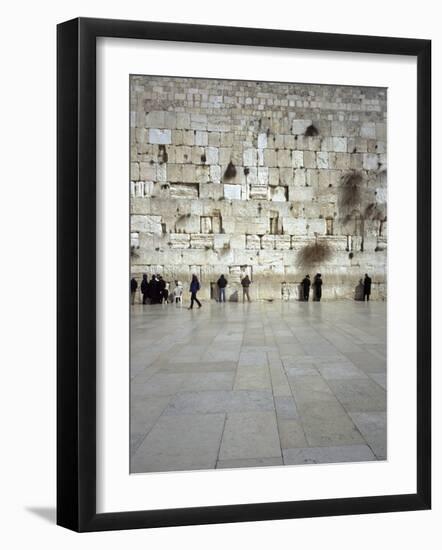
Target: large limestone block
<point>186,223</point>
<point>179,240</point>
<point>299,126</point>
<point>368,130</point>
<point>253,242</point>
<point>293,226</point>
<point>297,159</point>
<point>184,190</point>
<point>282,242</point>
<point>146,224</point>
<point>279,194</point>
<point>268,242</point>
<point>163,137</point>
<point>232,192</point>
<point>284,159</point>
<point>370,161</point>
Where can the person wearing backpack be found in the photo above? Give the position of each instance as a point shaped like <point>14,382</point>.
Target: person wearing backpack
<point>194,287</point>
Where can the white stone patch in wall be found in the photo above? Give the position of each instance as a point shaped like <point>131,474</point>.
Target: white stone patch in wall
<point>263,175</point>
<point>297,159</point>
<point>322,160</point>
<point>232,191</point>
<point>381,195</point>
<point>339,144</point>
<point>368,130</point>
<point>146,224</point>
<point>215,173</point>
<point>212,155</point>
<point>250,157</point>
<point>134,239</point>
<point>162,137</point>
<point>262,141</point>
<point>201,138</point>
<point>279,194</point>
<point>299,126</point>
<point>370,161</point>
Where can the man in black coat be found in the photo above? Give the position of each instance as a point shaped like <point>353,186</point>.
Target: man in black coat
<point>317,288</point>
<point>367,287</point>
<point>144,289</point>
<point>305,288</point>
<point>133,290</point>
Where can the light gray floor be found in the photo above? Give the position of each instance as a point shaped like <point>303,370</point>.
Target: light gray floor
<point>261,384</point>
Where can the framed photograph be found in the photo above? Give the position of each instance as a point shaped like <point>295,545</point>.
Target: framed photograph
<point>243,274</point>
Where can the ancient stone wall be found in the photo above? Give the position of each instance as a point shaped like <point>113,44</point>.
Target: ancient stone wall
<point>270,179</point>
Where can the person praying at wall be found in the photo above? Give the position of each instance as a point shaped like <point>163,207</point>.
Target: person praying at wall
<point>317,288</point>
<point>222,283</point>
<point>245,283</point>
<point>367,287</point>
<point>145,288</point>
<point>161,289</point>
<point>306,288</point>
<point>178,292</point>
<point>133,290</point>
<point>194,287</point>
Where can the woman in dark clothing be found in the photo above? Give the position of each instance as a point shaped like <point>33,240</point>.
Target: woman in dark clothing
<point>194,287</point>
<point>317,288</point>
<point>145,288</point>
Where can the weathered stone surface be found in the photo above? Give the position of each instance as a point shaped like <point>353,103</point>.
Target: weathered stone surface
<point>233,163</point>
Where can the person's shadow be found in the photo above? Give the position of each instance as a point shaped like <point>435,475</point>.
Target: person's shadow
<point>46,513</point>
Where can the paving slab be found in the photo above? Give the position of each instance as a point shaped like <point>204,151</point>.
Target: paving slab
<point>220,401</point>
<point>188,442</point>
<point>327,455</point>
<point>250,435</point>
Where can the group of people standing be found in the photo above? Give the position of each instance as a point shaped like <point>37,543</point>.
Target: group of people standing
<point>362,292</point>
<point>157,290</point>
<point>317,288</point>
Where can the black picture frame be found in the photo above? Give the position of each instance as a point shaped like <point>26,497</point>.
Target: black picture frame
<point>76,271</point>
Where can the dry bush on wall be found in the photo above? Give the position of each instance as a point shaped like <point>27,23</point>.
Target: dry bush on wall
<point>314,254</point>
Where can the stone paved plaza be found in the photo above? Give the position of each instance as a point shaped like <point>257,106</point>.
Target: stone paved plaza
<point>261,384</point>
